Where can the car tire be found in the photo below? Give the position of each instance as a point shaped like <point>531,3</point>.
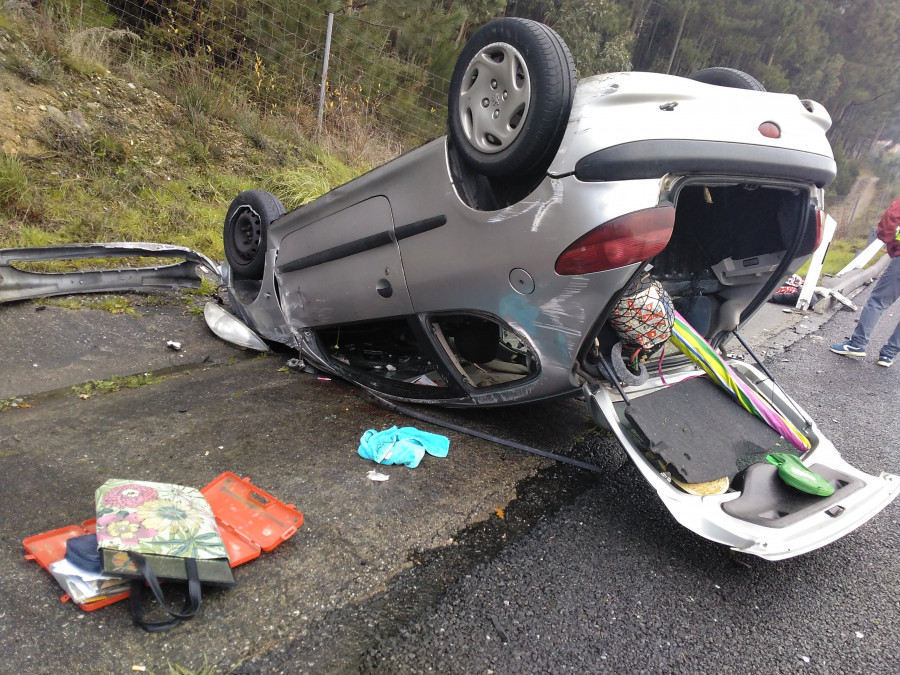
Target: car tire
<point>246,227</point>
<point>510,97</point>
<point>727,77</point>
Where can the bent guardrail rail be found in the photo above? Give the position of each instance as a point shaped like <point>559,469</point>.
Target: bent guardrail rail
<point>21,284</point>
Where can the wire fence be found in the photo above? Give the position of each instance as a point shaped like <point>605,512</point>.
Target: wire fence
<point>269,55</point>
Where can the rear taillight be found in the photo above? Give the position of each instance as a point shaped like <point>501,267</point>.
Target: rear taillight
<point>820,228</point>
<point>622,241</point>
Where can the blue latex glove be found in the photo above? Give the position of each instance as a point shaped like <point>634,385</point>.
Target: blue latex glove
<point>402,446</point>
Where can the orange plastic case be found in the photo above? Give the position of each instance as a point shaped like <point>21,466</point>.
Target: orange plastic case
<point>48,547</point>
<point>250,521</point>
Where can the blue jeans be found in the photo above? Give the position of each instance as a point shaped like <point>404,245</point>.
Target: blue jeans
<point>885,294</point>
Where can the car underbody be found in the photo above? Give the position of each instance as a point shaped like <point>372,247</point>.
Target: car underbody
<point>484,268</point>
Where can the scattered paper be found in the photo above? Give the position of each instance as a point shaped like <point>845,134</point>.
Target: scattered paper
<point>377,476</point>
<point>84,586</point>
<point>423,379</point>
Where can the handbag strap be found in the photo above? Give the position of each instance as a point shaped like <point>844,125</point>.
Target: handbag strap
<point>191,604</point>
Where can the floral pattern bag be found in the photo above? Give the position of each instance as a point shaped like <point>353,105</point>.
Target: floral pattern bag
<point>149,531</point>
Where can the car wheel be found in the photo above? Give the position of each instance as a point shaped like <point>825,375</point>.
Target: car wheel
<point>727,77</point>
<point>510,97</point>
<point>246,226</point>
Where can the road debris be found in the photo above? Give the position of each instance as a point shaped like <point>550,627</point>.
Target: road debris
<point>401,446</point>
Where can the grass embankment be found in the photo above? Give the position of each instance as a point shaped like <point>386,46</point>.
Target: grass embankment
<point>840,253</point>
<point>105,142</point>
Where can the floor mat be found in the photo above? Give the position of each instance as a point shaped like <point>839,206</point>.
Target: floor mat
<point>699,430</point>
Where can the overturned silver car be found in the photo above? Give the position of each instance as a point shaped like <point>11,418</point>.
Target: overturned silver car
<point>482,268</point>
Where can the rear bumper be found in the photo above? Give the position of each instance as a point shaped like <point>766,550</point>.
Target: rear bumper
<point>655,158</point>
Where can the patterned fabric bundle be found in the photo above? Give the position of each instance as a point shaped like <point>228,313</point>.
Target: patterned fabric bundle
<point>643,318</point>
<point>700,352</point>
<point>149,531</point>
<point>155,518</point>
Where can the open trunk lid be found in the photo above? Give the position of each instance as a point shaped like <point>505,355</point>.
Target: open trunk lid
<point>750,508</point>
<point>734,241</point>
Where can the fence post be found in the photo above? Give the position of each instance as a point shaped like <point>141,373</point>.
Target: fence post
<point>325,71</point>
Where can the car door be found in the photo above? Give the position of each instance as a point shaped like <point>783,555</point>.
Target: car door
<point>343,268</point>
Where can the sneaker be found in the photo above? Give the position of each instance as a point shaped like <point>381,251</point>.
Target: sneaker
<point>848,349</point>
<point>885,361</point>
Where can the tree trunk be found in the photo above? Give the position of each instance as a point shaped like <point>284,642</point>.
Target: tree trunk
<point>462,32</point>
<point>677,39</point>
<point>638,21</point>
<point>643,59</point>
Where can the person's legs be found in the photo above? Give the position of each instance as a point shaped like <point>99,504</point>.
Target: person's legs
<point>892,347</point>
<point>885,294</point>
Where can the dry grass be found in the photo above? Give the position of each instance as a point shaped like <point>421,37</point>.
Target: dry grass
<point>356,140</point>
<point>99,50</point>
<point>125,163</point>
<point>14,183</point>
<point>301,184</point>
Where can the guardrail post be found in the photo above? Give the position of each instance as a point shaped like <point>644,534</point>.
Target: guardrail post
<point>815,265</point>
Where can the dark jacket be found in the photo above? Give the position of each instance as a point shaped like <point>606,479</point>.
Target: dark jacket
<point>887,228</point>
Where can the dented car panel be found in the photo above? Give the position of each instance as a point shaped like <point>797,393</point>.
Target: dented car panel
<point>426,282</point>
<point>22,284</point>
<point>482,268</point>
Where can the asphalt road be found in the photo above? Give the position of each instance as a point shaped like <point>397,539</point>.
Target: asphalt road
<point>369,556</point>
<point>611,584</point>
<point>416,572</point>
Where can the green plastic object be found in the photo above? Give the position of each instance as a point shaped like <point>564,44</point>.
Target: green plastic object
<point>792,471</point>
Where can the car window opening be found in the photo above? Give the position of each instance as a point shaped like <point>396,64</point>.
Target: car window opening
<point>484,352</point>
<point>727,241</point>
<point>388,350</point>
